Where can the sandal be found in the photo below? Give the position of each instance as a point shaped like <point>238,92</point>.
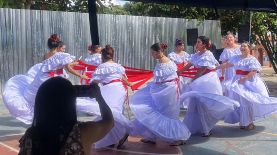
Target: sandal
<point>250,127</point>
<point>122,141</point>
<point>206,135</point>
<point>147,141</point>
<point>178,143</point>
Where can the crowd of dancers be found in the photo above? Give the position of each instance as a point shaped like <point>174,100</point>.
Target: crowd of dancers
<point>231,91</point>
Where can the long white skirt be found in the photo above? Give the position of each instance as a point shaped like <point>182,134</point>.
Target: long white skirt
<point>254,101</point>
<point>206,105</point>
<point>15,101</point>
<point>20,92</point>
<point>228,77</point>
<point>156,109</point>
<point>114,94</point>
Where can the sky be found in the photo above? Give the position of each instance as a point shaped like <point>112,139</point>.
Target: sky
<point>118,2</point>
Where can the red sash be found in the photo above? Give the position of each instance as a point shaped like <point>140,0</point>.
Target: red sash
<point>242,72</point>
<point>55,72</point>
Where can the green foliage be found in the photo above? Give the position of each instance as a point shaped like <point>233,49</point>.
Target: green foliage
<point>175,11</point>
<point>264,31</point>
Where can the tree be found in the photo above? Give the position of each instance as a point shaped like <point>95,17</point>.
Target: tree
<point>175,11</point>
<point>264,31</point>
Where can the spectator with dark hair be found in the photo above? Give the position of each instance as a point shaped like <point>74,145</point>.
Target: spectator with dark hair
<point>20,91</point>
<point>55,129</point>
<point>156,106</point>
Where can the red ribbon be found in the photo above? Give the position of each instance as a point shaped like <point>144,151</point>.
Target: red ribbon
<point>55,72</point>
<point>242,72</point>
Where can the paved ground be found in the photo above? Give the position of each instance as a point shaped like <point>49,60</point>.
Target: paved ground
<point>226,139</point>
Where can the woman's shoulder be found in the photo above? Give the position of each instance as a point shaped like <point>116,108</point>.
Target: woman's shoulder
<point>109,68</point>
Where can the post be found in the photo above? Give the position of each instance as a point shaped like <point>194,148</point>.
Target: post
<point>93,22</point>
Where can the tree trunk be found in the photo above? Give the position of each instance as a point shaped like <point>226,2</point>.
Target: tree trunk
<point>270,54</point>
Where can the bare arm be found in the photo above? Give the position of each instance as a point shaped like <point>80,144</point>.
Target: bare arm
<point>69,67</point>
<point>188,65</point>
<point>94,131</point>
<point>200,72</point>
<point>125,80</point>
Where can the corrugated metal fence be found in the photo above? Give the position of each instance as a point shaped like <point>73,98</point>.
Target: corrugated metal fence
<point>24,34</point>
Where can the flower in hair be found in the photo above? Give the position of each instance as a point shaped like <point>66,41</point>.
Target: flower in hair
<point>55,38</point>
<point>163,45</point>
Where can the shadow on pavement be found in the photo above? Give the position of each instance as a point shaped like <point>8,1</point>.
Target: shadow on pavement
<point>234,131</point>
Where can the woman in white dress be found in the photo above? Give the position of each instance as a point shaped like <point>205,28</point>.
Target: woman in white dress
<point>249,90</point>
<point>113,85</point>
<point>206,105</point>
<point>180,58</point>
<point>156,107</point>
<point>20,91</point>
<point>231,50</point>
<point>95,55</point>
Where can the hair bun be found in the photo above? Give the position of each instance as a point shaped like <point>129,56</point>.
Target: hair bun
<point>54,38</point>
<point>163,46</point>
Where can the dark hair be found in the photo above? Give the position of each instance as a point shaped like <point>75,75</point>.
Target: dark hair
<point>206,41</point>
<point>247,43</point>
<point>107,52</point>
<point>53,41</point>
<point>93,48</point>
<point>159,47</point>
<point>230,33</point>
<point>178,42</point>
<point>54,116</point>
<point>60,44</point>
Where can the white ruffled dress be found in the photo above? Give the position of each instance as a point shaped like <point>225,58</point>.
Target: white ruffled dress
<point>206,105</point>
<point>156,107</point>
<point>94,59</point>
<point>114,93</point>
<point>180,60</point>
<point>229,72</point>
<point>20,91</point>
<point>253,97</point>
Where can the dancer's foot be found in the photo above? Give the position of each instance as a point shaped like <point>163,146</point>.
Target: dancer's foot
<point>250,127</point>
<point>206,135</point>
<point>122,141</point>
<point>178,143</point>
<point>148,141</point>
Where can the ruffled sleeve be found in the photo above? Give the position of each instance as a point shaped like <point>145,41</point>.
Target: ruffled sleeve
<point>254,64</point>
<point>233,60</point>
<point>165,71</point>
<point>106,70</point>
<point>57,61</point>
<point>207,60</point>
<point>223,56</point>
<point>172,56</point>
<point>94,59</point>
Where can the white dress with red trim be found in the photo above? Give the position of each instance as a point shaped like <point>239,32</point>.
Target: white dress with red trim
<point>252,95</point>
<point>156,107</point>
<point>114,93</point>
<point>229,72</point>
<point>206,104</point>
<point>20,91</point>
<point>181,61</point>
